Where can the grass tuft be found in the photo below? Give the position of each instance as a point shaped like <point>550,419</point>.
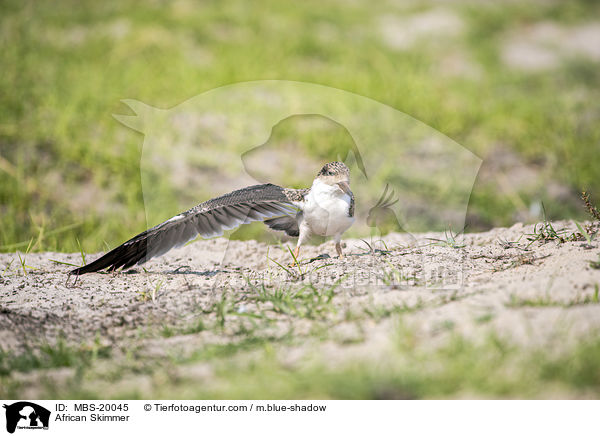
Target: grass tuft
<point>589,207</point>
<point>57,355</point>
<point>449,239</point>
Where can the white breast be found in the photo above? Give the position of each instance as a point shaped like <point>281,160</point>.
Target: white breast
<point>326,209</point>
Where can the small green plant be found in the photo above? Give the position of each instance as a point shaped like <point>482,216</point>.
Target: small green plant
<point>546,232</point>
<point>151,295</point>
<point>506,244</point>
<point>450,239</point>
<point>22,261</point>
<point>378,312</point>
<point>589,207</point>
<point>197,327</point>
<point>221,309</point>
<point>83,262</point>
<point>586,233</point>
<point>394,277</point>
<point>167,331</point>
<point>8,265</point>
<point>63,263</point>
<point>290,268</point>
<point>286,269</point>
<point>485,318</point>
<point>296,263</point>
<point>371,247</point>
<point>157,288</point>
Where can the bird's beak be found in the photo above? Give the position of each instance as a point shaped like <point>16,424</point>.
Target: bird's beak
<point>345,186</point>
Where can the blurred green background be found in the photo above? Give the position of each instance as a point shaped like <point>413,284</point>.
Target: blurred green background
<point>516,82</point>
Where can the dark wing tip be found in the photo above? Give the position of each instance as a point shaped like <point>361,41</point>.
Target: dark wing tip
<point>84,269</point>
<point>125,255</point>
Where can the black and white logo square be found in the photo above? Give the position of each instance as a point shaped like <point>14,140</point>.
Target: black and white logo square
<point>26,415</point>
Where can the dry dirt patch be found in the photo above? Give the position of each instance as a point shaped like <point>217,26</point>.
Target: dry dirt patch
<point>530,295</point>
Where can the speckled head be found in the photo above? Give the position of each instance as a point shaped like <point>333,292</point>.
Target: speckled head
<point>336,173</point>
<point>335,169</point>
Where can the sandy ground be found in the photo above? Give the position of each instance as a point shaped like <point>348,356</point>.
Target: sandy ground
<point>535,295</point>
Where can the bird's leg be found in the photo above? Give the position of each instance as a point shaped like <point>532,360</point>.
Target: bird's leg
<point>304,234</point>
<point>338,245</point>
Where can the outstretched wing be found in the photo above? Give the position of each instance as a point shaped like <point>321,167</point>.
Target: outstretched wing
<point>209,219</point>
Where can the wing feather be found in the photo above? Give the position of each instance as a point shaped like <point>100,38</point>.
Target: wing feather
<point>209,219</point>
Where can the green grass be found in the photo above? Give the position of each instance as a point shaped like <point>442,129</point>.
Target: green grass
<point>449,241</point>
<point>255,367</point>
<point>58,355</point>
<point>69,171</point>
<point>547,301</point>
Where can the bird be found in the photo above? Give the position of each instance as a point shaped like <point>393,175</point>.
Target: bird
<point>324,209</point>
